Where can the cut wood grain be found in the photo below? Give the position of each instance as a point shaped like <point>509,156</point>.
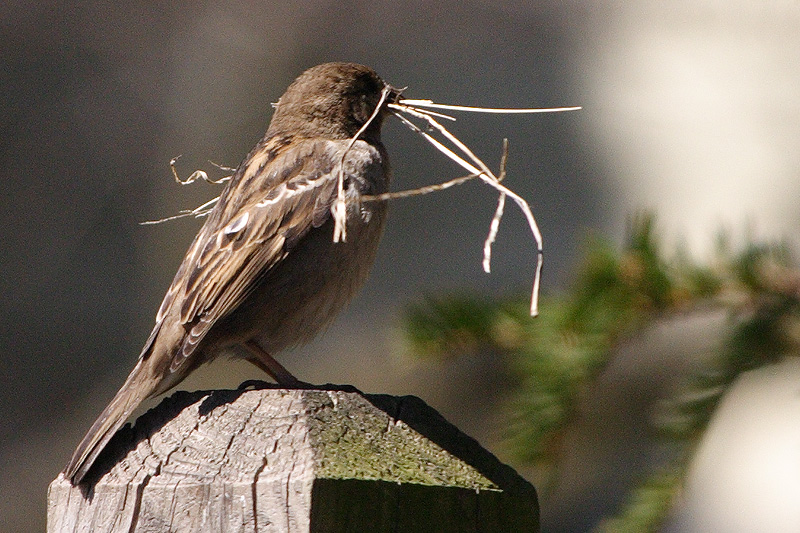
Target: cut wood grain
<point>277,460</point>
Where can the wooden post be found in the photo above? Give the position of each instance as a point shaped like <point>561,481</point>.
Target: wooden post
<point>276,460</point>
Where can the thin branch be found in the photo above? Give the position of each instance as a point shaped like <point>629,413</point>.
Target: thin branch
<point>487,177</point>
<point>339,207</point>
<point>417,192</point>
<point>197,212</point>
<point>198,174</point>
<point>503,160</point>
<point>452,138</point>
<point>225,168</point>
<point>494,226</point>
<point>498,110</point>
<point>435,114</point>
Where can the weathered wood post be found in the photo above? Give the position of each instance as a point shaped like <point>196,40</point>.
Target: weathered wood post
<point>276,460</point>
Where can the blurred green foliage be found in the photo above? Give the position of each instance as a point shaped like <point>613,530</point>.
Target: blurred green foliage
<point>615,295</point>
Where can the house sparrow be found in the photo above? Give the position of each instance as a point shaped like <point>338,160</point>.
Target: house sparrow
<point>264,272</point>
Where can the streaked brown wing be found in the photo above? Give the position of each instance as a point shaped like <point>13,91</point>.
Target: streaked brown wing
<point>269,205</point>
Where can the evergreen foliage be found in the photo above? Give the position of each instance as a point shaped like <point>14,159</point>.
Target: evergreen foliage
<point>615,295</point>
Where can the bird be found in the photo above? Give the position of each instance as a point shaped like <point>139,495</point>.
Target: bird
<point>264,272</point>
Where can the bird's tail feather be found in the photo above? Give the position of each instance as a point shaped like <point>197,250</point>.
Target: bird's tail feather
<point>140,385</point>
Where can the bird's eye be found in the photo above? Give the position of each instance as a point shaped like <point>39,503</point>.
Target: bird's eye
<point>362,108</point>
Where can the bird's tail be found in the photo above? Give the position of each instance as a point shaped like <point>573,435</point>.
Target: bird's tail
<point>140,385</point>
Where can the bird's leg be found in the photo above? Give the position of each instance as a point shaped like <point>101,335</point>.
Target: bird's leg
<point>265,362</point>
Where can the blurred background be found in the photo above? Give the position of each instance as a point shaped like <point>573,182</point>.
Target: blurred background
<point>691,109</point>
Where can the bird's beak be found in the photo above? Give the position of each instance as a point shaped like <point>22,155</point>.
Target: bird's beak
<point>394,94</point>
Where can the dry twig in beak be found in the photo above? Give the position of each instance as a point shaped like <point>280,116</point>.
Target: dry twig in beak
<point>479,169</point>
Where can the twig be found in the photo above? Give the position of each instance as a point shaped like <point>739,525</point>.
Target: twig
<point>197,212</point>
<point>435,114</point>
<point>489,178</point>
<point>339,207</point>
<point>201,210</point>
<point>494,226</point>
<point>417,192</point>
<point>199,174</point>
<point>452,138</point>
<point>498,110</point>
<point>222,167</point>
<point>503,160</point>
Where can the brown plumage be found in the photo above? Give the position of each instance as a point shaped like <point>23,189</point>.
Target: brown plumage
<point>263,272</point>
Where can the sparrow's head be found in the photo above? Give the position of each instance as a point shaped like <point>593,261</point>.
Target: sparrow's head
<point>333,100</point>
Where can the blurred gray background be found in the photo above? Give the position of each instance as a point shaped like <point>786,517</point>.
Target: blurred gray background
<point>690,108</point>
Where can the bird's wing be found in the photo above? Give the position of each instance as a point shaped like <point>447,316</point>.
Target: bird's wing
<point>277,195</point>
